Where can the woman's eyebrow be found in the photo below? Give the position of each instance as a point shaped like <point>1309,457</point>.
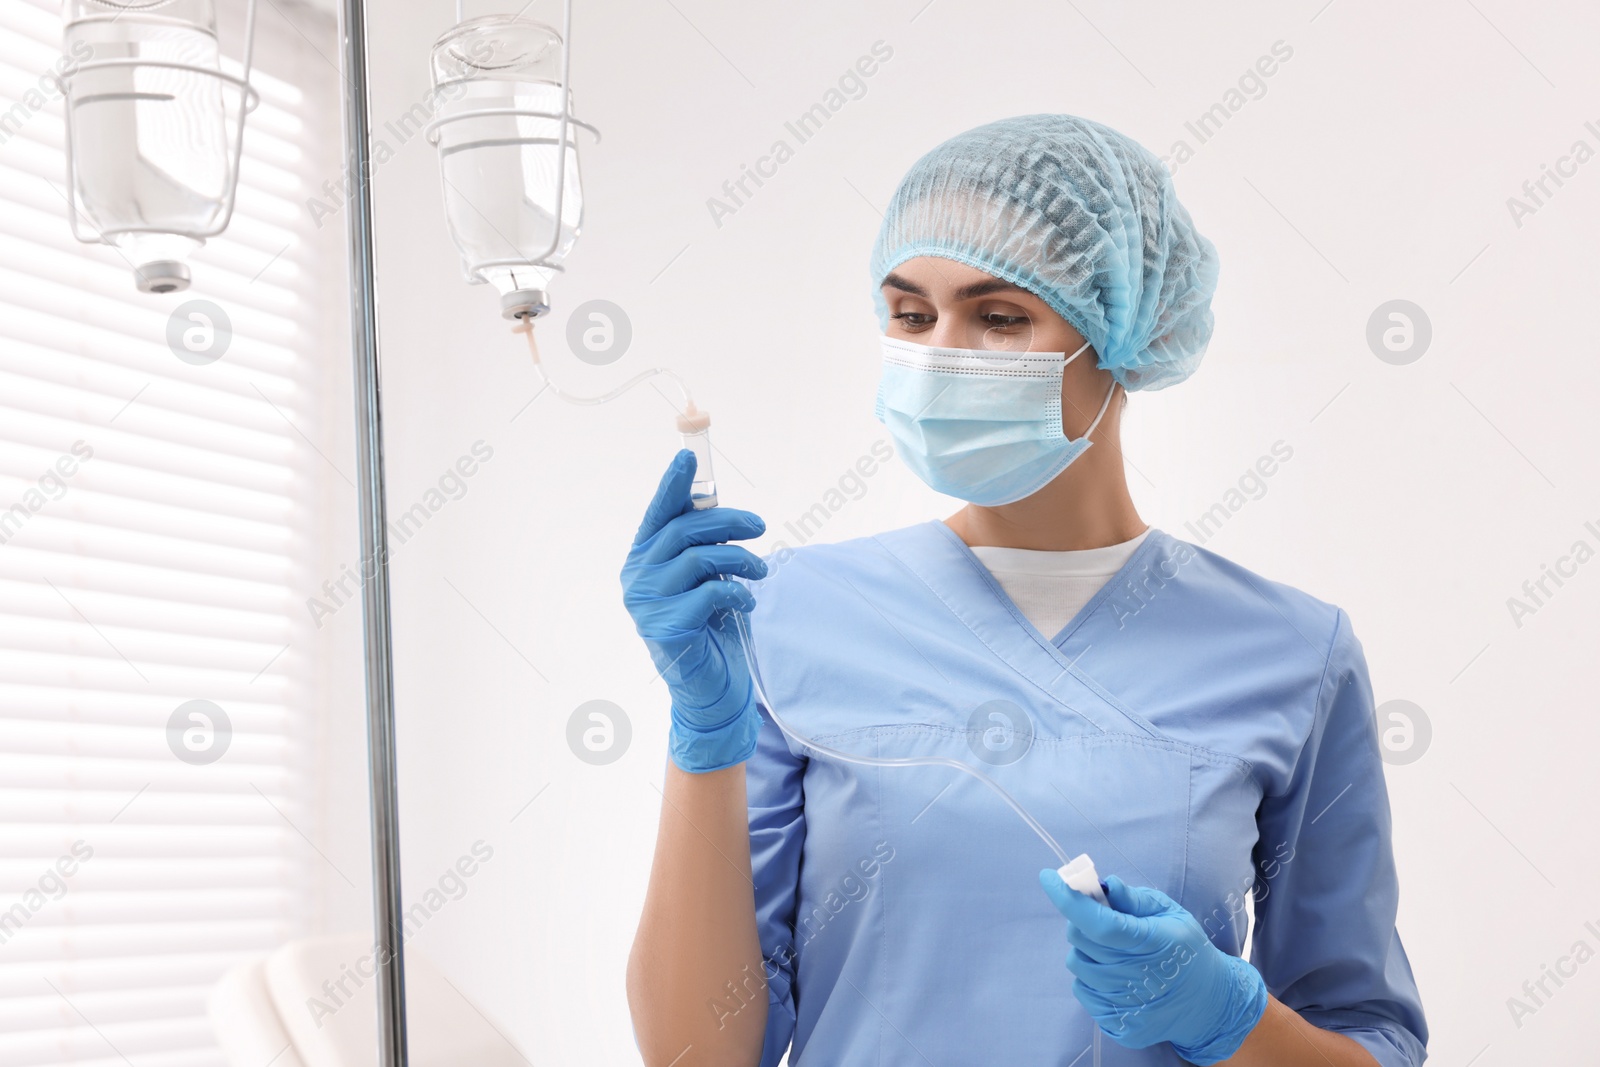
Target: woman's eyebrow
<point>966,292</point>
<point>894,281</point>
<point>988,285</point>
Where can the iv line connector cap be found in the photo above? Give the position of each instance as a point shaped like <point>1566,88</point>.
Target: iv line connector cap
<point>1079,873</point>
<point>694,420</point>
<point>524,304</point>
<point>162,276</point>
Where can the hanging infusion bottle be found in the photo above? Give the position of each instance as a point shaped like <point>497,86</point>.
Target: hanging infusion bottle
<point>508,155</point>
<point>151,159</point>
<point>695,427</point>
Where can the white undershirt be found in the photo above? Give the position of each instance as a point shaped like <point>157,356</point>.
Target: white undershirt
<point>1051,587</point>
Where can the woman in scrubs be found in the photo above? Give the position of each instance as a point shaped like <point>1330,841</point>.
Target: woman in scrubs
<point>1206,734</point>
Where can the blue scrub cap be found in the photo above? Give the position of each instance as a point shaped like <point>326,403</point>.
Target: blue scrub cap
<point>1077,214</point>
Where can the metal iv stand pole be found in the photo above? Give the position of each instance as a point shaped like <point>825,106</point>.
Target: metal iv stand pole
<point>374,549</point>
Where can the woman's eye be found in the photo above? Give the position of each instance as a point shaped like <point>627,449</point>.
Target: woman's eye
<point>912,319</point>
<point>1004,322</point>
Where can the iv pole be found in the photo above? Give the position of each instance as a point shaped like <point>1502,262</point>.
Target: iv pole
<point>374,548</point>
<point>379,653</point>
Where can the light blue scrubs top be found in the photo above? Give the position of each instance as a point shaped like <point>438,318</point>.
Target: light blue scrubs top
<point>1195,728</point>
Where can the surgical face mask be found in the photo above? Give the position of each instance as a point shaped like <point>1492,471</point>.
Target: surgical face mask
<point>980,426</point>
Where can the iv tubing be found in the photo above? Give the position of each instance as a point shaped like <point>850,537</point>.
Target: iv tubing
<point>526,327</point>
<point>883,761</point>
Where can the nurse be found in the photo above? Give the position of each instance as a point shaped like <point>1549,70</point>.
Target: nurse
<point>1206,734</point>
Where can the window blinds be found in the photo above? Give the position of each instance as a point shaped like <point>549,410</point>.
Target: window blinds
<point>155,549</point>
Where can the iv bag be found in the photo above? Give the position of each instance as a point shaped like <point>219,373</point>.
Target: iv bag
<point>513,199</point>
<point>151,161</point>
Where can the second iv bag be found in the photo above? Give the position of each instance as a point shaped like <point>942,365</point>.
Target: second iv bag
<point>152,162</point>
<point>512,193</point>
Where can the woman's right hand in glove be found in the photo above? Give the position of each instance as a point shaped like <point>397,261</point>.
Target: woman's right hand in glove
<point>674,585</point>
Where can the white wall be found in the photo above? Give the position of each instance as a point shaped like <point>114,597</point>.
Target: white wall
<point>1375,166</point>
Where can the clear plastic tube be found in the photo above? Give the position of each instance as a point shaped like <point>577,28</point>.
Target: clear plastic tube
<point>694,425</point>
<point>743,625</point>
<point>526,327</point>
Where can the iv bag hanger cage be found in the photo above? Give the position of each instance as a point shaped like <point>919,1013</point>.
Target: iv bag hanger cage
<point>166,276</point>
<point>527,303</point>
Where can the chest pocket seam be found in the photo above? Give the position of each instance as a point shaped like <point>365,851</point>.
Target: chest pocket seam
<point>1160,741</point>
<point>1209,754</point>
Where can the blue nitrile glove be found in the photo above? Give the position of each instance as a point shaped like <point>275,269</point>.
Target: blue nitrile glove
<point>673,587</point>
<point>1146,972</point>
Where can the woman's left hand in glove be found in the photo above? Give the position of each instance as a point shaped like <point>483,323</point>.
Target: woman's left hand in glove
<point>1146,972</point>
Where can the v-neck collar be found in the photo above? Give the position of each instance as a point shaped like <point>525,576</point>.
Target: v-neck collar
<point>946,565</point>
<point>1089,607</point>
